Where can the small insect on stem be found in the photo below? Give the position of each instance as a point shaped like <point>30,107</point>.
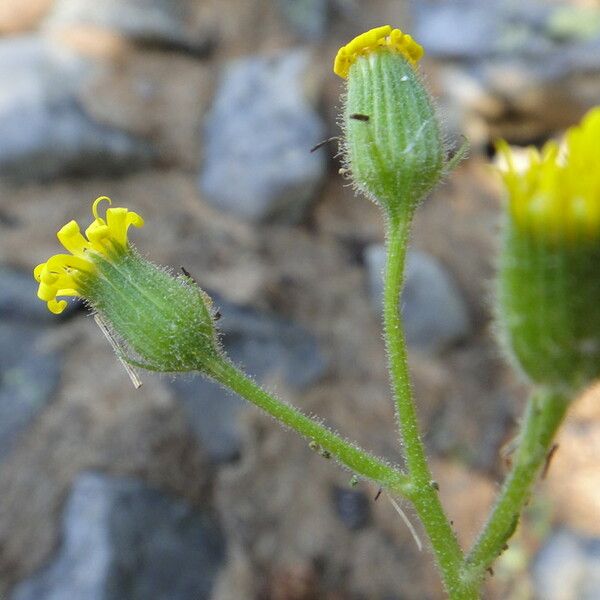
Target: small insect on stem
<point>187,274</point>
<point>377,494</point>
<point>507,450</point>
<point>359,117</point>
<point>549,458</point>
<point>315,447</point>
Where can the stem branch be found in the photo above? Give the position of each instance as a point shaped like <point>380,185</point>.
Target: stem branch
<point>353,457</point>
<point>545,412</point>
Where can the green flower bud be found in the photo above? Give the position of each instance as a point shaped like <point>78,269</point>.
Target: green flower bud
<point>163,323</point>
<point>548,283</point>
<point>393,145</point>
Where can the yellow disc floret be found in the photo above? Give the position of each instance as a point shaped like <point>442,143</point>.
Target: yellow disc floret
<point>556,192</point>
<point>105,237</point>
<point>374,39</point>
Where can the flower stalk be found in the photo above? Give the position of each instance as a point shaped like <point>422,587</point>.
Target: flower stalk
<point>546,410</point>
<point>347,453</point>
<point>423,491</point>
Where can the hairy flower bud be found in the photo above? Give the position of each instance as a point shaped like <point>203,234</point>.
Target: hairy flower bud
<point>548,282</point>
<point>393,144</point>
<point>163,323</point>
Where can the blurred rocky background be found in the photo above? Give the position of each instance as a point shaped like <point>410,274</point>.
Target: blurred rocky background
<point>200,115</point>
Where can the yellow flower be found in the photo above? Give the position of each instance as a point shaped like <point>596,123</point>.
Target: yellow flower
<point>556,192</point>
<point>106,237</point>
<point>375,39</point>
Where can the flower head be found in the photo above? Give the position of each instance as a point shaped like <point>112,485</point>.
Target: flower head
<point>555,193</point>
<point>548,285</point>
<point>376,39</point>
<point>160,322</point>
<point>105,237</point>
<point>393,146</point>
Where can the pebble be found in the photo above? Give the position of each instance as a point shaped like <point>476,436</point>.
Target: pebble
<point>463,30</point>
<point>352,507</point>
<point>308,18</point>
<point>16,341</point>
<point>269,346</point>
<point>25,390</point>
<point>45,133</point>
<point>568,568</point>
<point>434,311</point>
<point>124,539</point>
<point>159,21</point>
<point>29,377</point>
<point>211,411</point>
<point>258,137</point>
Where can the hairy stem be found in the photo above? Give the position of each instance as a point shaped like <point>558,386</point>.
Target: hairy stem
<point>356,459</point>
<point>545,412</point>
<point>423,491</point>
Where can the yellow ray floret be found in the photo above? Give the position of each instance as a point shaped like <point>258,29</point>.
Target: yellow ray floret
<point>556,192</point>
<point>380,37</point>
<point>105,237</point>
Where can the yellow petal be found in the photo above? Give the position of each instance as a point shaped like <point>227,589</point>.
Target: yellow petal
<point>97,233</point>
<point>71,238</point>
<point>37,272</point>
<point>57,307</point>
<point>59,262</point>
<point>374,39</point>
<point>96,203</point>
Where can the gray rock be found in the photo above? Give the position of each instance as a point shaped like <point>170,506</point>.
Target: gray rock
<point>435,314</point>
<point>16,341</point>
<point>463,29</point>
<point>28,379</point>
<point>265,346</point>
<point>258,136</point>
<point>212,413</point>
<point>160,21</point>
<point>122,539</point>
<point>44,131</point>
<point>309,18</point>
<point>24,391</point>
<point>470,30</point>
<point>19,301</point>
<point>568,568</point>
<point>352,507</point>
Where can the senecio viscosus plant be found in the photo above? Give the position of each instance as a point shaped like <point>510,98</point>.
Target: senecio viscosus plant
<point>547,290</point>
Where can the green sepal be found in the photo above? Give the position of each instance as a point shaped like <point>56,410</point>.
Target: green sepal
<point>548,307</point>
<point>161,320</point>
<point>394,150</point>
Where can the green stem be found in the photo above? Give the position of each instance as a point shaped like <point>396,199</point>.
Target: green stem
<point>353,457</point>
<point>397,241</point>
<point>545,412</point>
<point>423,492</point>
